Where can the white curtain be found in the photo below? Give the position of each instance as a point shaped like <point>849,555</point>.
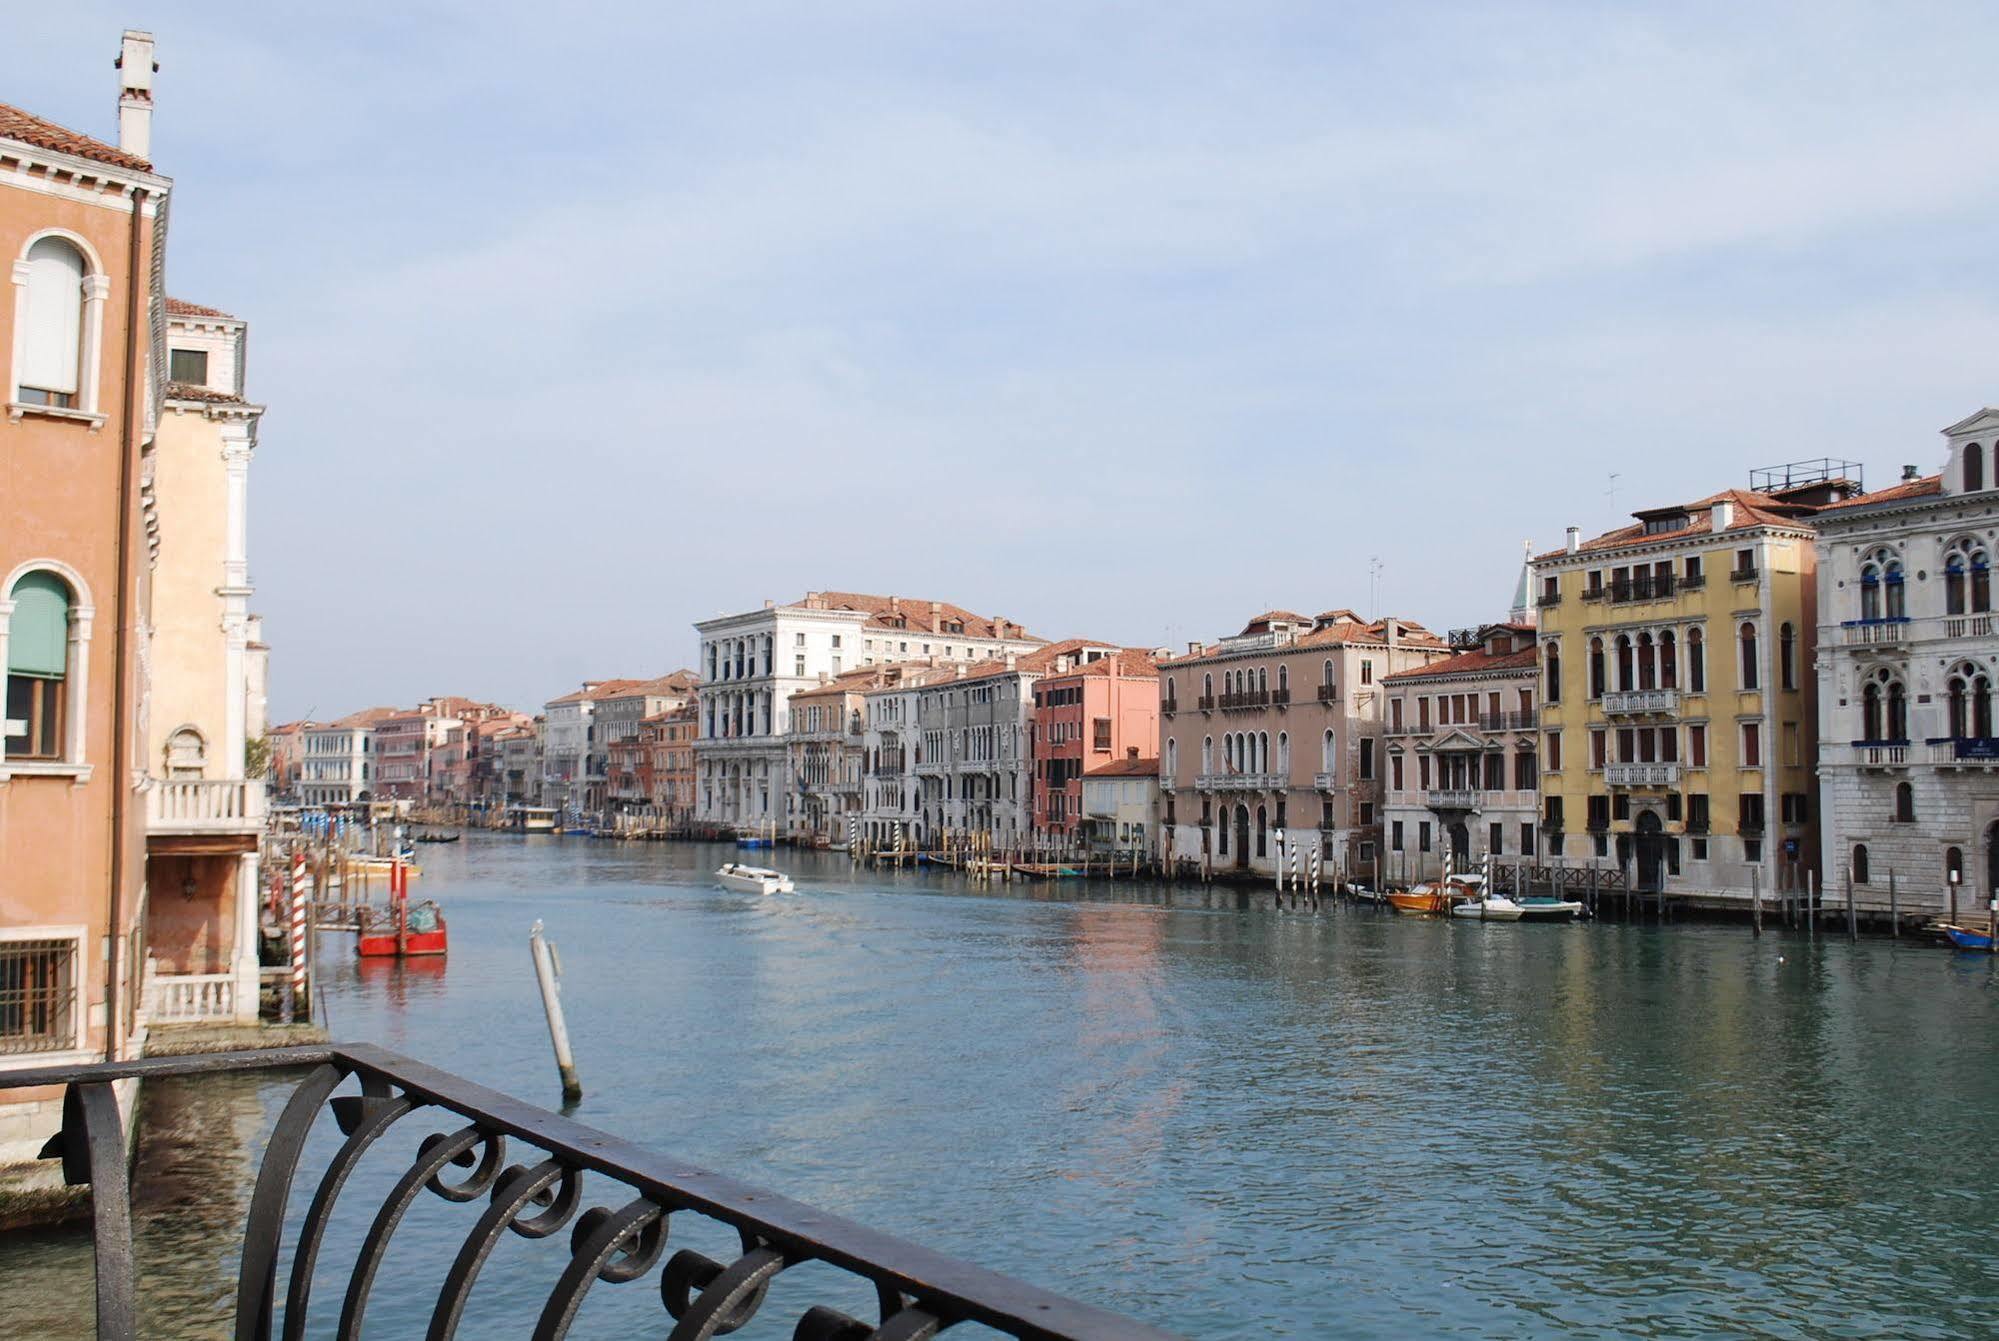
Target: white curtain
<point>52,317</point>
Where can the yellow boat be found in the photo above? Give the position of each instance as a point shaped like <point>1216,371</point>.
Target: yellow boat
<point>1434,898</point>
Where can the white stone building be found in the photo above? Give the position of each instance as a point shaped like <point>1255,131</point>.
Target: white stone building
<point>572,758</point>
<point>752,663</point>
<point>1909,761</point>
<point>336,765</point>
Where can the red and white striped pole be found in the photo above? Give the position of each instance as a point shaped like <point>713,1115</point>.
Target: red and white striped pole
<point>302,1006</point>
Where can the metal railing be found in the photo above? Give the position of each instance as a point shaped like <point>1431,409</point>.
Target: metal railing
<point>1328,693</point>
<point>1248,698</point>
<point>1655,587</point>
<point>559,1168</point>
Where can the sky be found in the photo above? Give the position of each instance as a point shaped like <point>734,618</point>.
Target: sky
<point>579,323</point>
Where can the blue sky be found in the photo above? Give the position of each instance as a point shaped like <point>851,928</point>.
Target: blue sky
<point>1122,320</point>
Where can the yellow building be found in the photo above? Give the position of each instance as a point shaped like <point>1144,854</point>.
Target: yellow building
<point>1678,715</point>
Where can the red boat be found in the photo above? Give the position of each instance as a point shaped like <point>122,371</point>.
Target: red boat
<point>401,931</point>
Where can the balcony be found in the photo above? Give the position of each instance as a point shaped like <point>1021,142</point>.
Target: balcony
<point>1880,753</point>
<point>1280,698</point>
<point>506,1164</point>
<point>1166,782</point>
<point>1206,703</point>
<point>1649,588</point>
<point>1248,698</point>
<point>1745,574</point>
<point>1325,782</point>
<point>1874,632</point>
<point>1642,775</point>
<point>1639,702</point>
<point>1693,581</point>
<point>1453,798</point>
<point>1548,598</point>
<point>1329,693</point>
<point>194,998</point>
<point>1240,782</point>
<point>204,806</point>
<point>1964,751</point>
<point>1967,626</point>
<point>1168,706</point>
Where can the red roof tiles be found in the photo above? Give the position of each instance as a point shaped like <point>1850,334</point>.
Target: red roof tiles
<point>1920,488</point>
<point>180,307</point>
<point>1469,663</point>
<point>1126,768</point>
<point>28,128</point>
<point>916,616</point>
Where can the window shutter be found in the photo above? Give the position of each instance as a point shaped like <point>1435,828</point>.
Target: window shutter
<point>38,633</point>
<point>53,317</point>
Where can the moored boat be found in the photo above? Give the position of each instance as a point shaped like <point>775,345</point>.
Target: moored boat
<point>1491,908</point>
<point>401,930</point>
<point>1964,938</point>
<point>1434,898</point>
<point>753,879</point>
<point>1546,908</point>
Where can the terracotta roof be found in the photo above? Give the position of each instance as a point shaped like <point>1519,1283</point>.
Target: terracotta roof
<point>1748,510</point>
<point>180,307</point>
<point>1261,623</point>
<point>1469,663</point>
<point>1920,488</point>
<point>1126,768</point>
<point>16,124</point>
<point>288,728</point>
<point>673,682</point>
<point>368,717</point>
<point>1346,628</point>
<point>595,690</point>
<point>1126,661</point>
<point>882,610</point>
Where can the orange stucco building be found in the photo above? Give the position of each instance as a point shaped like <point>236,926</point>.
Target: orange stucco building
<point>81,223</point>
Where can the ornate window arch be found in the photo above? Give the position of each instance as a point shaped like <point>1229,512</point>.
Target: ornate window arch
<point>1968,698</point>
<point>1967,577</point>
<point>1669,661</point>
<point>1626,667</point>
<point>1749,670</point>
<point>186,752</point>
<point>1696,662</point>
<point>1329,752</point>
<point>1207,754</point>
<point>1881,589</point>
<point>1884,706</point>
<point>45,619</point>
<point>1596,668</point>
<point>1974,467</point>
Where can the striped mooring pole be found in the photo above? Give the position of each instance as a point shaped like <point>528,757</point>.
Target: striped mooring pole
<point>301,1007</point>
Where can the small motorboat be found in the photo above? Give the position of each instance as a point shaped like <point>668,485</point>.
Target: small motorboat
<point>1364,893</point>
<point>1547,908</point>
<point>1435,898</point>
<point>1491,908</point>
<point>753,879</point>
<point>402,930</point>
<point>1964,938</point>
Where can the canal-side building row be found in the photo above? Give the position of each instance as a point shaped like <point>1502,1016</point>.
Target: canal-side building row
<point>1678,714</point>
<point>1279,728</point>
<point>1909,760</point>
<point>1104,709</point>
<point>752,663</point>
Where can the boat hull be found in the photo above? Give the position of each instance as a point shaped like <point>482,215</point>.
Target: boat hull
<point>1418,905</point>
<point>1557,910</point>
<point>1966,939</point>
<point>754,880</point>
<point>374,945</point>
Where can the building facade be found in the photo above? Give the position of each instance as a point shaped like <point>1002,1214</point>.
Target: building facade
<point>1279,729</point>
<point>1462,750</point>
<point>1678,709</point>
<point>336,767</point>
<point>569,746</point>
<point>752,663</point>
<point>1120,809</point>
<point>612,777</point>
<point>673,766</point>
<point>1909,755</point>
<point>1086,716</point>
<point>828,750</point>
<point>204,812</point>
<point>80,222</point>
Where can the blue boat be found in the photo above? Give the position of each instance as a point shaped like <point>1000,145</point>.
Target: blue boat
<point>754,842</point>
<point>1966,939</point>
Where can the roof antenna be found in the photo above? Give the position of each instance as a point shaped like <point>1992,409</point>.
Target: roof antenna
<point>1373,588</point>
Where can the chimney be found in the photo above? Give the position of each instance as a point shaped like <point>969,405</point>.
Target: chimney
<point>135,93</point>
<point>1723,515</point>
<point>769,604</point>
<point>1131,751</point>
<point>1575,540</point>
<point>1908,473</point>
<point>1193,648</point>
<point>936,616</point>
<point>1012,661</point>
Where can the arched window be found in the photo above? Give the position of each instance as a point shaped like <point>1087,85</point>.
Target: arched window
<point>1326,673</point>
<point>1554,659</point>
<point>1172,758</point>
<point>1860,873</point>
<point>1870,711</point>
<point>1647,667</point>
<point>49,346</point>
<point>186,753</point>
<point>1207,754</point>
<point>1953,865</point>
<point>1262,833</point>
<point>1329,753</point>
<point>1974,467</point>
<point>44,626</point>
<point>1262,679</point>
<point>1284,753</point>
<point>1208,685</point>
<point>1625,680</point>
<point>1263,751</point>
<point>1905,803</point>
<point>1596,685</point>
<point>1898,711</point>
<point>1884,707</point>
<point>1881,591</point>
<point>1787,656</point>
<point>1171,691</point>
<point>1284,679</point>
<point>1970,702</point>
<point>1669,661</point>
<point>1747,636</point>
<point>1967,578</point>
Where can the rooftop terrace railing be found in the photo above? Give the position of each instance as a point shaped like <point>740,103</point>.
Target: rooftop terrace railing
<point>616,1199</point>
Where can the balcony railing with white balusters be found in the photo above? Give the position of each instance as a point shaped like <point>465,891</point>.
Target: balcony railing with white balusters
<point>1642,775</point>
<point>1635,702</point>
<point>205,806</point>
<point>1240,782</point>
<point>191,998</point>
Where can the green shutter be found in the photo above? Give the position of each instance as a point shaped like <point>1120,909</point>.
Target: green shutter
<point>38,634</point>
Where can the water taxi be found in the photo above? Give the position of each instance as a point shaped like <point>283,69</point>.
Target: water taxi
<point>753,879</point>
<point>1434,898</point>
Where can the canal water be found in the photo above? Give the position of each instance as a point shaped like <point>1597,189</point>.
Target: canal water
<point>1186,1104</point>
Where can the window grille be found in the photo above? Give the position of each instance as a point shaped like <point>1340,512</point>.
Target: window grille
<point>37,996</point>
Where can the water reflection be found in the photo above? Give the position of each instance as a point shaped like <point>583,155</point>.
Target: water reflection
<point>1229,1118</point>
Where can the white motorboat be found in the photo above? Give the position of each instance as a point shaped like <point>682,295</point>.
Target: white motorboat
<point>753,879</point>
<point>1542,908</point>
<point>1491,908</point>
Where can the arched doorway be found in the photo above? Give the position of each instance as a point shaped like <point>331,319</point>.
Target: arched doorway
<point>1242,836</point>
<point>1650,845</point>
<point>1460,839</point>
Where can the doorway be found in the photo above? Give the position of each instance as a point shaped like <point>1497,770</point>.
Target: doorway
<point>1651,846</point>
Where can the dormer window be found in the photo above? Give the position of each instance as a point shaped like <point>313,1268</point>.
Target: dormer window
<point>1666,522</point>
<point>188,365</point>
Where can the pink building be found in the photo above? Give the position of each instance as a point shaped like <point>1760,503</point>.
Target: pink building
<point>1085,718</point>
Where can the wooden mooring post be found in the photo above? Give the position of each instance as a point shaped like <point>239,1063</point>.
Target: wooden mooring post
<point>1755,901</point>
<point>1894,908</point>
<point>1852,923</point>
<point>546,974</point>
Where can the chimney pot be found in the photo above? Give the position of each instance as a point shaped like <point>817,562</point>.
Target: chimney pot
<point>1909,473</point>
<point>136,68</point>
<point>769,604</point>
<point>1575,539</point>
<point>1722,515</point>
